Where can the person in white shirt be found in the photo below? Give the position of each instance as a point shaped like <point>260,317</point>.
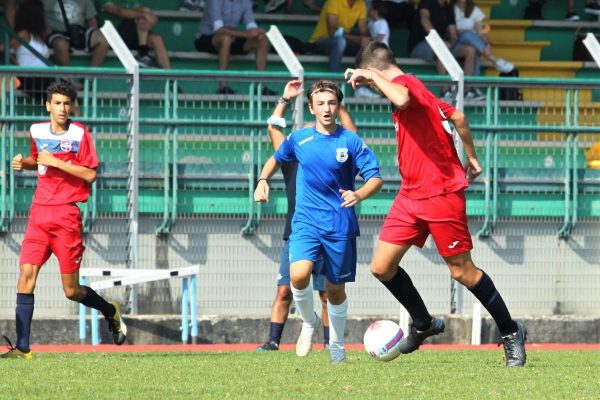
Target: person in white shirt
<point>470,23</point>
<point>378,26</point>
<point>380,32</point>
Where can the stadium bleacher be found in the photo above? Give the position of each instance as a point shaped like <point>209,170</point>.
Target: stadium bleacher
<point>210,135</point>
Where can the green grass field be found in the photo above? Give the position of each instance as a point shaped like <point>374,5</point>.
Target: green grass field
<point>249,375</point>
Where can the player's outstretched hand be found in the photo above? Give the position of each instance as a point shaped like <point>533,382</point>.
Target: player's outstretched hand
<point>293,89</point>
<point>472,168</point>
<point>357,77</point>
<point>17,162</point>
<point>350,198</point>
<point>261,193</point>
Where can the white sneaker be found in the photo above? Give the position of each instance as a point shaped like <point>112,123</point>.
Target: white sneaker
<point>504,66</point>
<point>337,355</point>
<point>304,343</point>
<point>364,91</point>
<point>448,95</point>
<point>475,95</point>
<point>192,5</point>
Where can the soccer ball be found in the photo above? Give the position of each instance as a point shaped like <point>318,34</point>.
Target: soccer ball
<point>382,340</point>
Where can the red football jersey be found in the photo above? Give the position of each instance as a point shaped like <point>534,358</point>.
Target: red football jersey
<point>75,147</point>
<point>427,159</point>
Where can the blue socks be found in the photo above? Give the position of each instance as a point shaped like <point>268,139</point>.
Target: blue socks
<point>490,298</point>
<point>24,314</point>
<point>94,300</point>
<point>406,293</point>
<point>275,330</point>
<point>325,335</point>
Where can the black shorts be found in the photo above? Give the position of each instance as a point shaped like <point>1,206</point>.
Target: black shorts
<point>128,31</point>
<point>204,43</point>
<point>64,35</point>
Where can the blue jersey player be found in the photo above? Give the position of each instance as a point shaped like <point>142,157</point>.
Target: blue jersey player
<point>329,157</point>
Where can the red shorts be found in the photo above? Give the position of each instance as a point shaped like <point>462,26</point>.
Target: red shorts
<point>410,221</point>
<point>53,229</point>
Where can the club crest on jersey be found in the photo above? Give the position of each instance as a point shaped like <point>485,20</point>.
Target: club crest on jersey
<point>66,145</point>
<point>341,154</point>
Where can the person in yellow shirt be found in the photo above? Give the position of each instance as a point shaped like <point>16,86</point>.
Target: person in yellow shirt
<point>333,35</point>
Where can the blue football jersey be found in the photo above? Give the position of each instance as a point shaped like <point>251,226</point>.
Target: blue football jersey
<point>326,164</point>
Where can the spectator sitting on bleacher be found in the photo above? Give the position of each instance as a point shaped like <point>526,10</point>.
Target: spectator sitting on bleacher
<point>30,26</point>
<point>472,31</point>
<point>9,11</point>
<point>134,24</point>
<point>217,34</point>
<point>332,33</point>
<point>380,32</point>
<point>276,5</point>
<point>82,35</point>
<point>439,15</point>
<point>534,9</point>
<point>399,12</point>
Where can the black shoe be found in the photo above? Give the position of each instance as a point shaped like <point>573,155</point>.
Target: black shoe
<point>268,346</point>
<point>416,337</point>
<point>592,7</point>
<point>275,5</point>
<point>571,16</point>
<point>117,326</point>
<point>147,61</point>
<point>514,347</point>
<point>226,90</point>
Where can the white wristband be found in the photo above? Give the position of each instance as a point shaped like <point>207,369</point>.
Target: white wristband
<point>277,121</point>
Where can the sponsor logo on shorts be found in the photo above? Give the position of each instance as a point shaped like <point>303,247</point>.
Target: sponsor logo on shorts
<point>345,275</point>
<point>341,154</point>
<point>453,245</point>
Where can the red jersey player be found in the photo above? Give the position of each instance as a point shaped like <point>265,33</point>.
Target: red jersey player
<point>63,153</point>
<point>431,199</point>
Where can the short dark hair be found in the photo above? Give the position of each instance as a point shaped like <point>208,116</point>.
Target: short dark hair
<point>325,86</point>
<point>63,87</point>
<point>381,7</point>
<point>376,55</point>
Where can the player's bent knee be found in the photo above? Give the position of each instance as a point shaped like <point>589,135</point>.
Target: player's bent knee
<point>382,273</point>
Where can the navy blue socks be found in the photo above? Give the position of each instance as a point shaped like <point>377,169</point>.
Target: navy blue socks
<point>24,314</point>
<point>94,300</point>
<point>275,330</point>
<point>325,335</point>
<point>406,293</point>
<point>488,295</point>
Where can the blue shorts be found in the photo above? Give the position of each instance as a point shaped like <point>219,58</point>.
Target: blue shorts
<point>339,255</point>
<point>283,279</point>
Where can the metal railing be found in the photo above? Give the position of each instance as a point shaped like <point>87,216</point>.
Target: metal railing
<point>200,152</point>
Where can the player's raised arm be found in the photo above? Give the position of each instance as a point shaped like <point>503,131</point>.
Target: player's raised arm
<point>276,121</point>
<point>396,93</point>
<point>346,120</point>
